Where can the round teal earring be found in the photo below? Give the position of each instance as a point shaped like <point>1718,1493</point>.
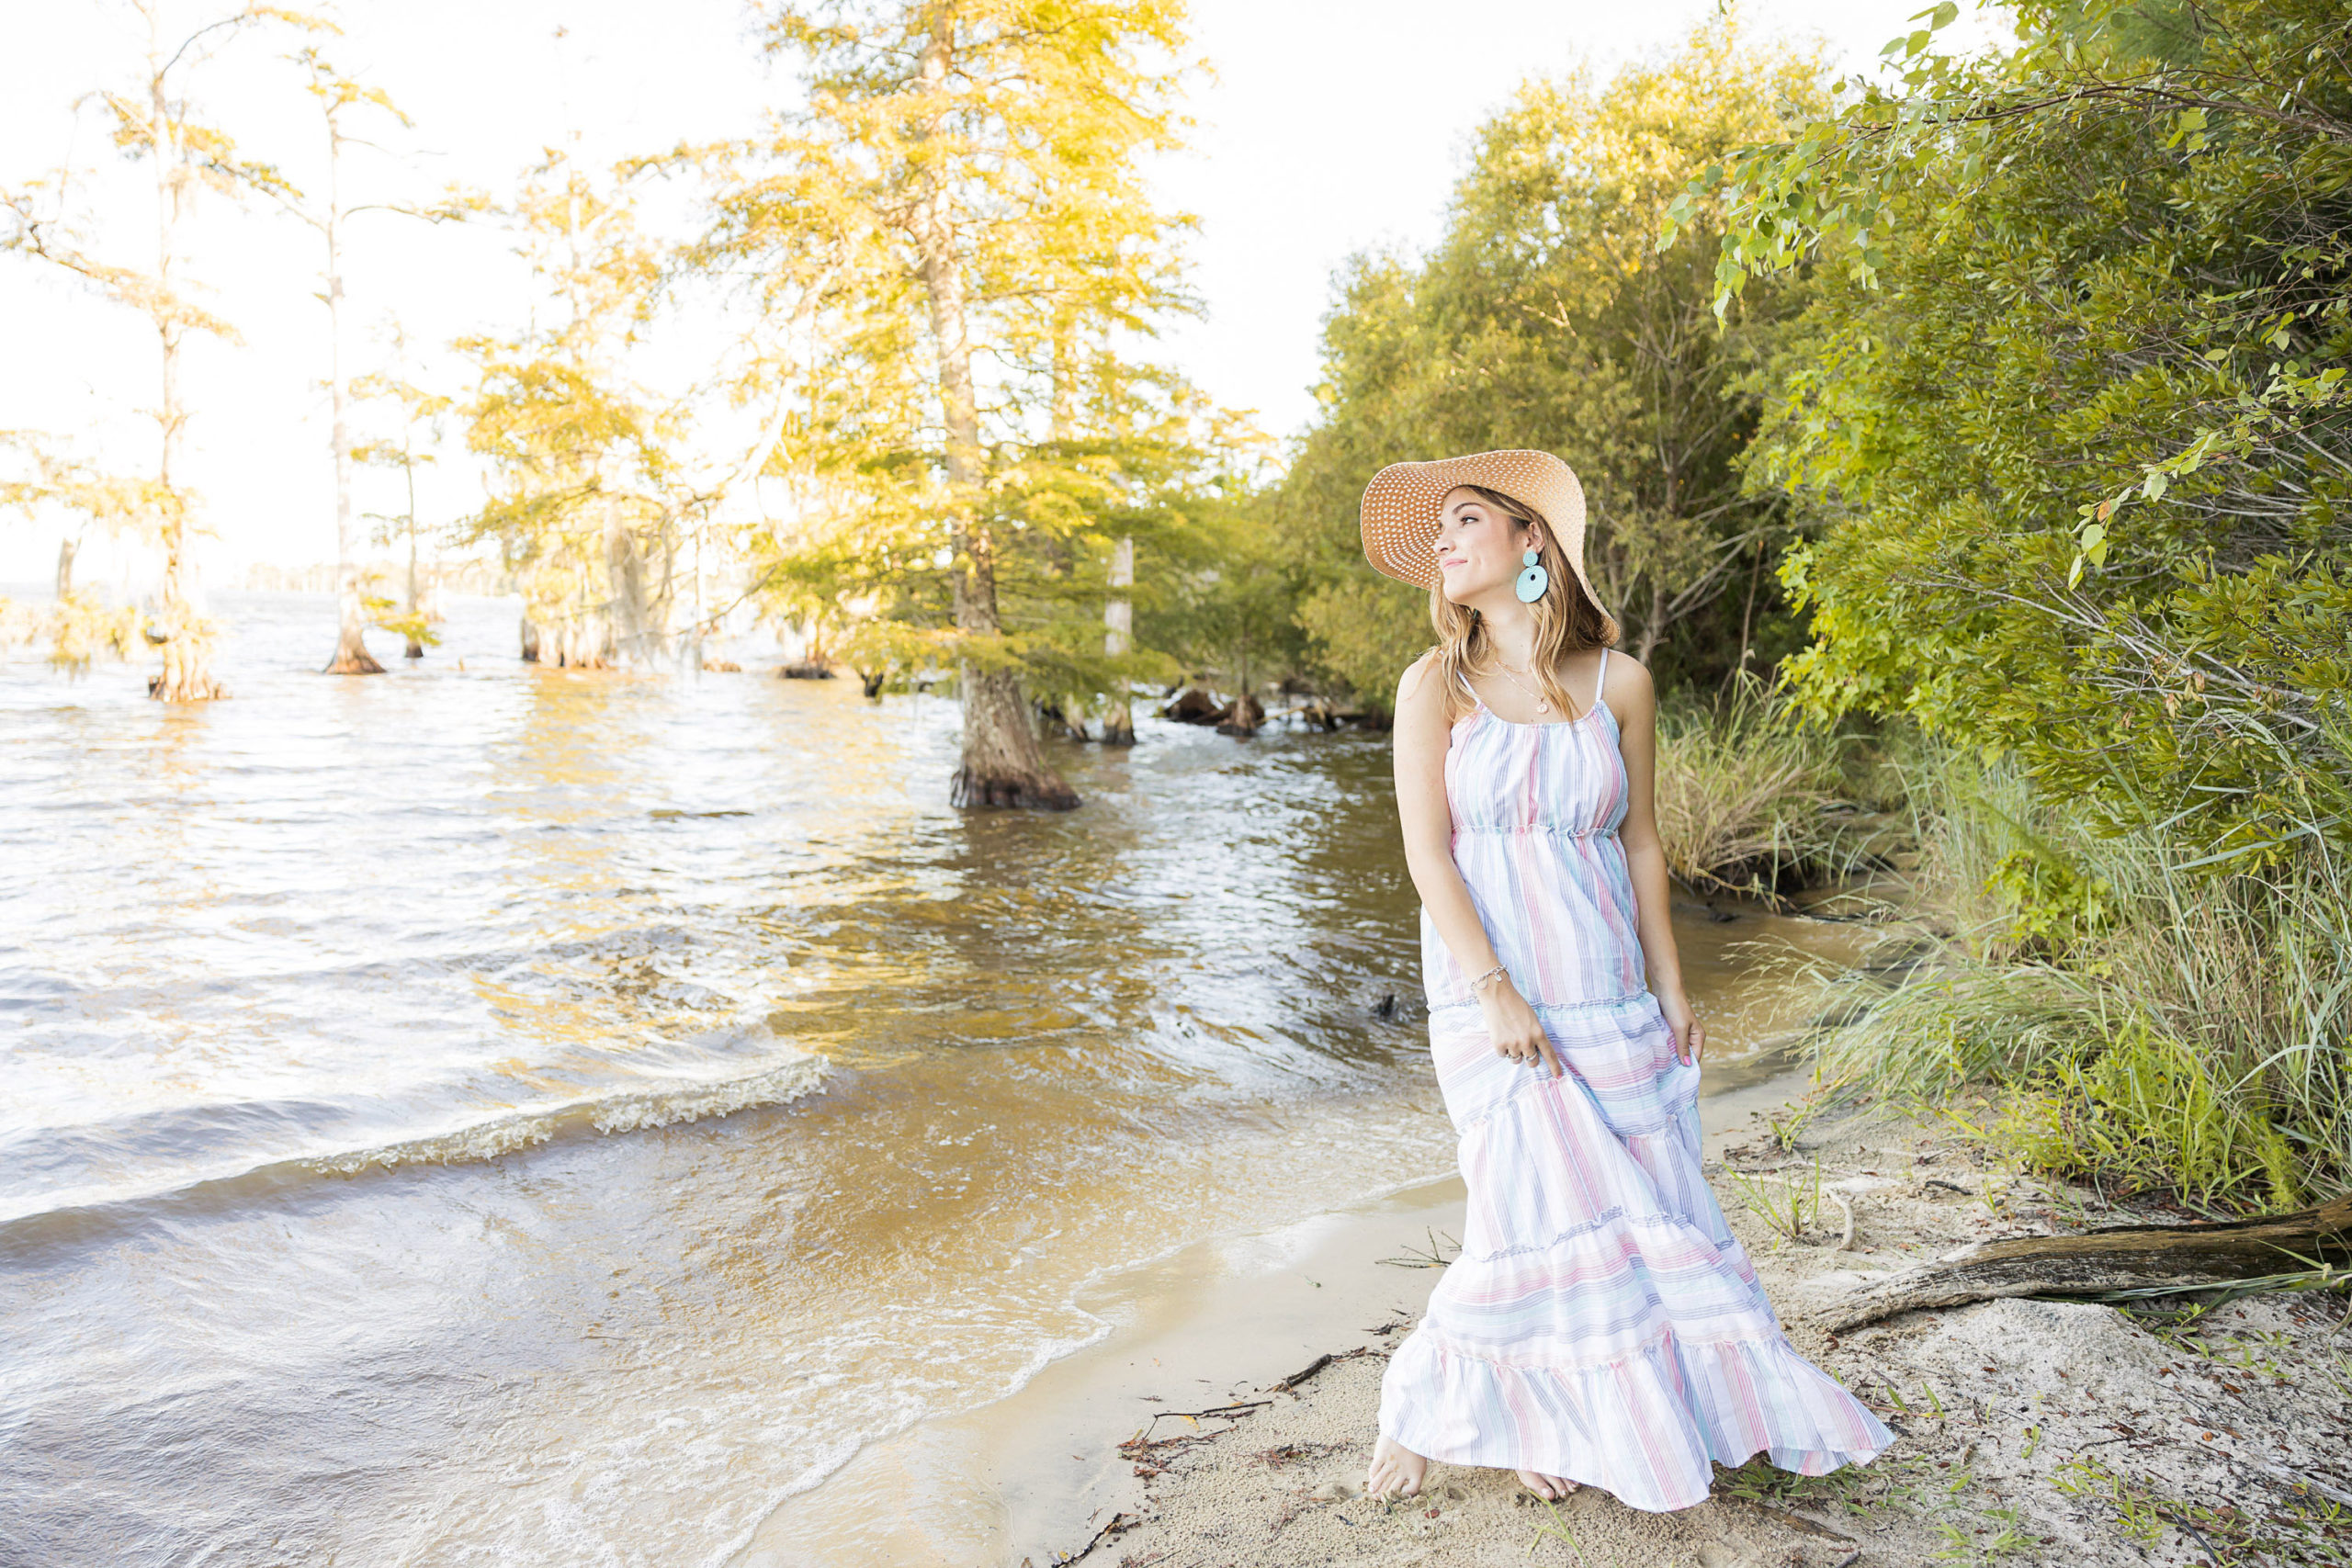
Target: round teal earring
<point>1533,581</point>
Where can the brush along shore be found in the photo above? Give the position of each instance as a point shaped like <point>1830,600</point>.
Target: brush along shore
<point>2175,1431</point>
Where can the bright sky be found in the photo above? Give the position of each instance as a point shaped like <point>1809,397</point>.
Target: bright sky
<point>1328,128</point>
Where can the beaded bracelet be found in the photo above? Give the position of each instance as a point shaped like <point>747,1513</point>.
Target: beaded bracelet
<point>1480,983</point>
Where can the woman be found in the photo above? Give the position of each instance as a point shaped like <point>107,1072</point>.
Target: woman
<point>1600,1326</point>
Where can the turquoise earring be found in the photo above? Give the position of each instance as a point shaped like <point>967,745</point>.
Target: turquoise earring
<point>1533,581</point>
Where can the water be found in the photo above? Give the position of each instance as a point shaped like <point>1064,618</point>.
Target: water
<point>502,1115</point>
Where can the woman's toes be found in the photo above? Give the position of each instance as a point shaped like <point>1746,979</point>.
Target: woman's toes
<point>1396,1471</point>
<point>1551,1488</point>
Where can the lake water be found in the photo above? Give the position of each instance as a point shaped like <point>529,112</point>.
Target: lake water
<point>488,1114</point>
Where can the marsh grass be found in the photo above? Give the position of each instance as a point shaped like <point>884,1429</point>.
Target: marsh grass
<point>2147,1018</point>
<point>1752,802</point>
<point>1790,1207</point>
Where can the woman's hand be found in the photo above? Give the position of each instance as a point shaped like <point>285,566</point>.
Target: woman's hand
<point>1690,1035</point>
<point>1512,1025</point>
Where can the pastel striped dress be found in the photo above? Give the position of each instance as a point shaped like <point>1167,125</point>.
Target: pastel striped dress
<point>1600,1323</point>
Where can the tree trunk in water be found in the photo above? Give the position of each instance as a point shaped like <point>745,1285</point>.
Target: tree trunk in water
<point>630,635</point>
<point>530,639</point>
<point>187,675</point>
<point>351,655</point>
<point>1119,622</point>
<point>415,650</point>
<point>1002,763</point>
<point>67,548</point>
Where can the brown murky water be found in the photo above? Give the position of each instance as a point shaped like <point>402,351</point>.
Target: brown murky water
<point>506,1116</point>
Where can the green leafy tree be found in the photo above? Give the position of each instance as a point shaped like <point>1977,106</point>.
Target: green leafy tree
<point>955,250</point>
<point>583,477</point>
<point>339,97</point>
<point>1545,319</point>
<point>155,121</point>
<point>47,482</point>
<point>2070,402</point>
<point>416,411</point>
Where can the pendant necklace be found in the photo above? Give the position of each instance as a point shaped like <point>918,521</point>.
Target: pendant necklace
<point>1543,702</point>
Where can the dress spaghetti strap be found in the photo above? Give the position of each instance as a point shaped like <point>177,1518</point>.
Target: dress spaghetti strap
<point>1598,681</point>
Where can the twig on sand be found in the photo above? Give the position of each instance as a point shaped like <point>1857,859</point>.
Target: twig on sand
<point>1315,1365</point>
<point>1797,1522</point>
<point>1303,1373</point>
<point>1119,1525</point>
<point>2193,1532</point>
<point>1227,1412</point>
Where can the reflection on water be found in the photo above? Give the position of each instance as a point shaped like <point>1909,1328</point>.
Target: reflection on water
<point>368,1189</point>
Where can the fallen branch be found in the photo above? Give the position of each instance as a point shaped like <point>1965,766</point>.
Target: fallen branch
<point>1316,1365</point>
<point>1119,1525</point>
<point>1229,1412</point>
<point>2120,1257</point>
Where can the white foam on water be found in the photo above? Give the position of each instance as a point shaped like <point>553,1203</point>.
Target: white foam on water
<point>667,1100</point>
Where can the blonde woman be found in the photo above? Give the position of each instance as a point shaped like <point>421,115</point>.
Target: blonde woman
<point>1600,1326</point>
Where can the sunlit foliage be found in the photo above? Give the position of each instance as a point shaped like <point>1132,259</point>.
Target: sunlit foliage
<point>2072,401</point>
<point>959,262</point>
<point>1546,319</point>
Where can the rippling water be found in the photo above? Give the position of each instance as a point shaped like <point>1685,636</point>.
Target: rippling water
<point>492,1114</point>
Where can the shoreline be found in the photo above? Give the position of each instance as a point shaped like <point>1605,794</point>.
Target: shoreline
<point>1037,1475</point>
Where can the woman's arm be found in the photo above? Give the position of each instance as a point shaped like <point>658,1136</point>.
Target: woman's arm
<point>1420,739</point>
<point>1635,701</point>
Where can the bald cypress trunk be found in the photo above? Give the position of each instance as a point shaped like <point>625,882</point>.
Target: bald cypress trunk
<point>1118,621</point>
<point>187,675</point>
<point>1002,763</point>
<point>351,655</point>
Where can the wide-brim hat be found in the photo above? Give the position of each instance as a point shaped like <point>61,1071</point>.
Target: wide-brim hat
<point>1405,502</point>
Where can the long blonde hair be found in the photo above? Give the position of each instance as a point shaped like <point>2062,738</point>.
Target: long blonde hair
<point>1566,620</point>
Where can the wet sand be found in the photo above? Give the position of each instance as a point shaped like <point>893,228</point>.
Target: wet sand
<point>1036,1475</point>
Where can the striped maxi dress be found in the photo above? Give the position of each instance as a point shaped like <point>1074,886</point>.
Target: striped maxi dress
<point>1600,1323</point>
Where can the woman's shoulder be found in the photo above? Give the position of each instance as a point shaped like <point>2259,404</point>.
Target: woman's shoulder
<point>1624,679</point>
<point>1423,682</point>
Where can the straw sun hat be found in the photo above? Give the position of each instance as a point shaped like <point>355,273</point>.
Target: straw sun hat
<point>1405,500</point>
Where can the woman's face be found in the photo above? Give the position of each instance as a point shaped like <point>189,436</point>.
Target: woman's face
<point>1478,549</point>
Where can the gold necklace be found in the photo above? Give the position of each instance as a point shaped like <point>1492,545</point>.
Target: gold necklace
<point>1543,702</point>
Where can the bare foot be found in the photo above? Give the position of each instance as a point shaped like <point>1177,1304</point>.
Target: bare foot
<point>1551,1488</point>
<point>1397,1471</point>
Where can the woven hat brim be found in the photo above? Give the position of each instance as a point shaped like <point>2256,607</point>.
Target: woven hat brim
<point>1405,503</point>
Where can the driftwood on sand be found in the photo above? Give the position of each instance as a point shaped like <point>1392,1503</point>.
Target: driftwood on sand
<point>2121,1258</point>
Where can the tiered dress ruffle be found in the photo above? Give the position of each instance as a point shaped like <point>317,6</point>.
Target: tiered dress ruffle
<point>1601,1322</point>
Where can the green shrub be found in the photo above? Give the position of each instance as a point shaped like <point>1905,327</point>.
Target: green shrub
<point>2145,1020</point>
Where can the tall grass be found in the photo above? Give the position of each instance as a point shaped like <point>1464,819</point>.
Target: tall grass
<point>2143,1016</point>
<point>1748,801</point>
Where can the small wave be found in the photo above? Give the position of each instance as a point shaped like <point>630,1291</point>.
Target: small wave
<point>626,1111</point>
<point>663,1103</point>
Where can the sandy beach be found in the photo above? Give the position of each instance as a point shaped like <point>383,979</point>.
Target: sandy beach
<point>2028,1431</point>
